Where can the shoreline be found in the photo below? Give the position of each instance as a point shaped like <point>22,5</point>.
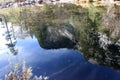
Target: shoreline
<point>80,3</point>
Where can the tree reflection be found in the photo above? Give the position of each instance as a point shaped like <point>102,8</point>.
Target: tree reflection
<point>10,37</point>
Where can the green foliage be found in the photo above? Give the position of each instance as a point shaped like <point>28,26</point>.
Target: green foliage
<point>106,31</point>
<point>83,20</point>
<point>0,19</point>
<point>94,16</point>
<point>11,14</point>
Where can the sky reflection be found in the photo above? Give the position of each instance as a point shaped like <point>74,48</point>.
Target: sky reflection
<point>58,64</point>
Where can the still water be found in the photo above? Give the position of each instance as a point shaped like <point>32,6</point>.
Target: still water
<point>57,64</point>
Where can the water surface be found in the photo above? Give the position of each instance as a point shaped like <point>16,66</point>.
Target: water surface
<point>63,63</point>
<point>57,64</point>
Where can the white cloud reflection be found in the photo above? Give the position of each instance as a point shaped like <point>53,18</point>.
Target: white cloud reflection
<point>3,41</point>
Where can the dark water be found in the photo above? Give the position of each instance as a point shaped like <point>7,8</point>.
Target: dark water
<point>57,64</point>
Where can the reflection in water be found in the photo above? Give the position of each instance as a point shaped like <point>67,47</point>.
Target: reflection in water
<point>95,38</point>
<point>95,30</point>
<point>10,39</point>
<point>62,36</point>
<point>10,36</point>
<point>57,64</point>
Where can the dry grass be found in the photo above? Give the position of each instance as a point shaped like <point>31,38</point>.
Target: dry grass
<point>26,74</point>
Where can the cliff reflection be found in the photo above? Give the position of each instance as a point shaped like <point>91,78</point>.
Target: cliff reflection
<point>86,29</point>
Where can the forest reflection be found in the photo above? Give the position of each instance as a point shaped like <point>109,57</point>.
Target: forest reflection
<point>97,28</point>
